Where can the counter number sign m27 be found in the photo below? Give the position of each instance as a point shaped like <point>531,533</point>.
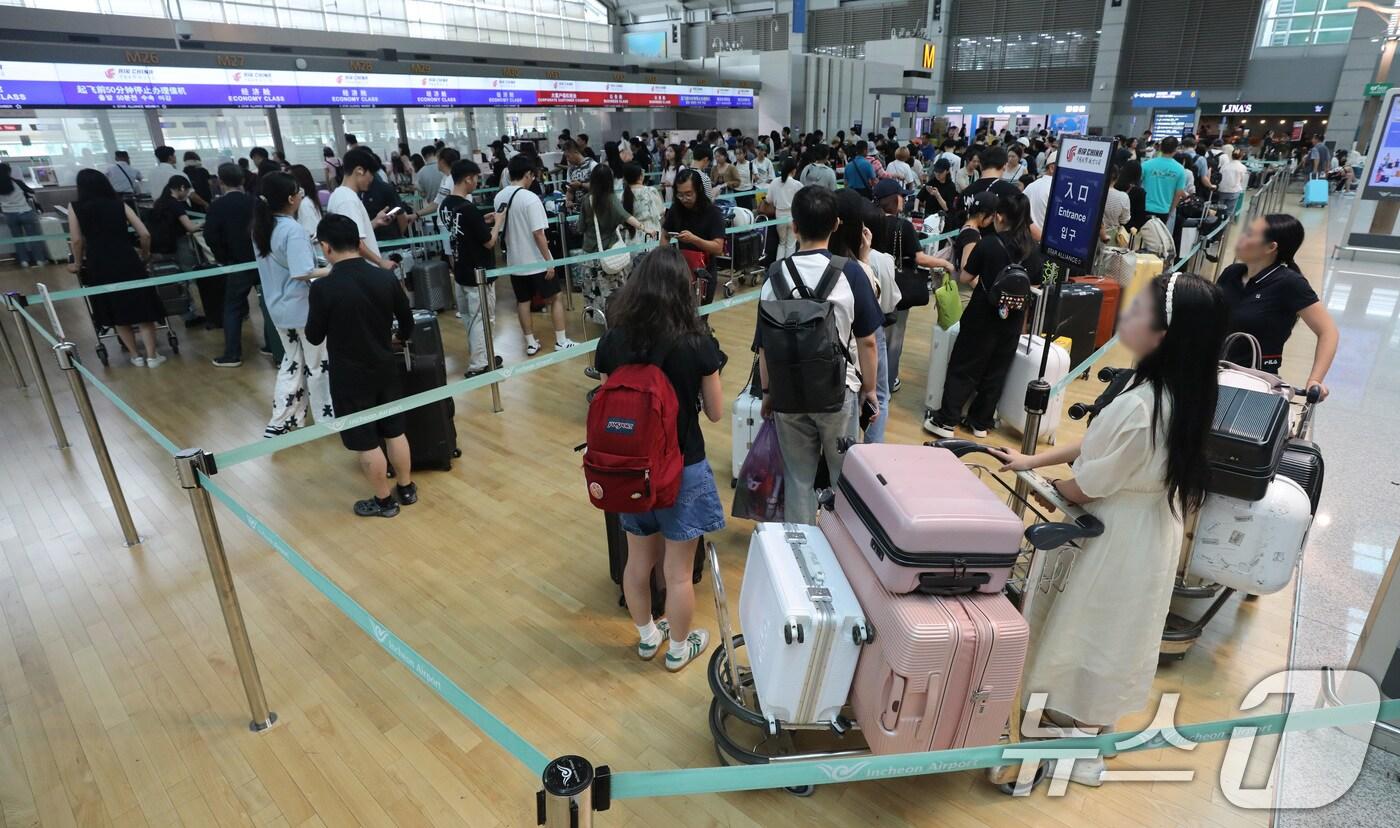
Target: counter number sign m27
<point>1075,211</point>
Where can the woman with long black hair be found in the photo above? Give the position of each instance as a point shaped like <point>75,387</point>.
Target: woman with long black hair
<point>989,331</point>
<point>1267,296</point>
<point>696,224</point>
<point>286,266</point>
<point>1140,468</point>
<point>653,320</point>
<point>601,223</point>
<point>103,255</point>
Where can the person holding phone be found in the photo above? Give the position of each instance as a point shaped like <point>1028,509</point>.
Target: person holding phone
<point>695,224</point>
<point>358,172</point>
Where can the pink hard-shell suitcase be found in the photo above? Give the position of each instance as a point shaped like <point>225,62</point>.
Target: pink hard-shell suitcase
<point>925,522</point>
<point>942,671</point>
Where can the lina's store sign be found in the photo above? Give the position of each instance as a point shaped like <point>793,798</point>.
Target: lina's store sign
<point>1266,108</point>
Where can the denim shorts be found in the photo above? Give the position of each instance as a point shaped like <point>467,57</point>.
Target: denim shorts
<point>697,509</point>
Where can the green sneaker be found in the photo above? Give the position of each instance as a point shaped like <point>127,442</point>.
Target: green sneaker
<point>647,651</point>
<point>696,643</point>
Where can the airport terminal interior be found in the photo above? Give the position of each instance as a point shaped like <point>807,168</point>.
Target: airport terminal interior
<point>360,357</point>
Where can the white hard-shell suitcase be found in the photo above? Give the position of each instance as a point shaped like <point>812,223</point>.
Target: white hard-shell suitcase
<point>1252,546</point>
<point>57,248</point>
<point>803,627</point>
<point>940,351</point>
<point>1025,367</point>
<point>747,418</point>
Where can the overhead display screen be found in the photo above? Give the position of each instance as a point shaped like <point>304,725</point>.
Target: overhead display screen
<point>29,85</point>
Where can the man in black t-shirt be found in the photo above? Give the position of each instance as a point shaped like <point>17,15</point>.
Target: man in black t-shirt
<point>472,243</point>
<point>200,191</point>
<point>993,161</point>
<point>352,311</point>
<point>380,195</point>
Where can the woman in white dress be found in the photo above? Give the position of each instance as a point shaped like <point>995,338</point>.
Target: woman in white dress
<point>1140,467</point>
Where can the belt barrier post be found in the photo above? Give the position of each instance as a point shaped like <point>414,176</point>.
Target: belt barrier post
<point>66,358</point>
<point>189,463</point>
<point>10,358</point>
<point>573,790</point>
<point>564,251</point>
<point>484,306</point>
<point>15,301</point>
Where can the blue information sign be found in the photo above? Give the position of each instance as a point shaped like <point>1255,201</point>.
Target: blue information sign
<point>1075,211</point>
<point>1165,99</point>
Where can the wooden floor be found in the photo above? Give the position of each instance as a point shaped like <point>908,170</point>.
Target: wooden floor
<point>120,703</point>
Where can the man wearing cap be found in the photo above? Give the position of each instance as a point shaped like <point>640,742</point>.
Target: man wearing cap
<point>1038,194</point>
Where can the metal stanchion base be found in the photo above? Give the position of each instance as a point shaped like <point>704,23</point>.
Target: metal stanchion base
<point>259,727</point>
<point>139,540</point>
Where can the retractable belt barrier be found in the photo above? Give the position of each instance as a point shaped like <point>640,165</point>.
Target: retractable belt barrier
<point>436,680</point>
<point>186,275</point>
<point>1093,359</point>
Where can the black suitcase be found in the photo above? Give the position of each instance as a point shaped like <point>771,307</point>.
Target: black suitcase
<point>1077,318</point>
<point>1302,463</point>
<point>1247,438</point>
<point>431,282</point>
<point>431,429</point>
<point>747,250</point>
<point>617,562</point>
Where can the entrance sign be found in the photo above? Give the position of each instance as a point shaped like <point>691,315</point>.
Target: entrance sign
<point>1075,212</point>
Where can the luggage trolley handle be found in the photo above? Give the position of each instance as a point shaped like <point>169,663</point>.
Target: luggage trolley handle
<point>1044,536</point>
<point>726,629</point>
<point>1312,396</point>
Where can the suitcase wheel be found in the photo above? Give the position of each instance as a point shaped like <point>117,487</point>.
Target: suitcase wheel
<point>802,790</point>
<point>456,452</point>
<point>174,342</point>
<point>102,355</point>
<point>733,482</point>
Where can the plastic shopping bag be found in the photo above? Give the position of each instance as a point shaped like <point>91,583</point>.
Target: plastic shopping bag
<point>759,493</point>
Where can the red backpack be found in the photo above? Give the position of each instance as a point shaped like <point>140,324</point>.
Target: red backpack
<point>633,461</point>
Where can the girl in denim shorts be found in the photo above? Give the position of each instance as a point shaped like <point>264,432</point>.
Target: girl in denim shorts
<point>652,319</point>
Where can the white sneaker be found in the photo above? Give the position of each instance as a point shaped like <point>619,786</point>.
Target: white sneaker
<point>532,348</point>
<point>695,644</point>
<point>560,345</point>
<point>155,361</point>
<point>139,362</point>
<point>645,651</point>
<point>979,433</point>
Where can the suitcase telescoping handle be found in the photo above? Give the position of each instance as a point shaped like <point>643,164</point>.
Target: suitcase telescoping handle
<point>1041,535</point>
<point>726,630</point>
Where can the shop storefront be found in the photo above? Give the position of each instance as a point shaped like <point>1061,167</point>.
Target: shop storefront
<point>1167,111</point>
<point>1294,120</point>
<point>1017,117</point>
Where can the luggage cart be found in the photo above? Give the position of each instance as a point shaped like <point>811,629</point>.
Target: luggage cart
<point>1181,633</point>
<point>743,735</point>
<point>174,292</point>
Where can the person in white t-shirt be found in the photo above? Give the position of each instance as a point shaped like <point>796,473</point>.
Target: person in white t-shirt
<point>1038,194</point>
<point>1234,177</point>
<point>950,152</point>
<point>780,194</point>
<point>523,220</point>
<point>900,171</point>
<point>358,170</point>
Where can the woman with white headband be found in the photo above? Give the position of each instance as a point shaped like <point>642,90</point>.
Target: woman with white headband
<point>1140,467</point>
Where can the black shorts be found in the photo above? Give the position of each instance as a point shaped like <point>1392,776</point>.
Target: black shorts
<point>529,285</point>
<point>369,436</point>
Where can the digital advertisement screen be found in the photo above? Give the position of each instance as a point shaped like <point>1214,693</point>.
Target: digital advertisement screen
<point>29,85</point>
<point>1383,172</point>
<point>1077,193</point>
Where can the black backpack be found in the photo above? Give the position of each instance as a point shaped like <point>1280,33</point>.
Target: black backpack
<point>1213,163</point>
<point>801,342</point>
<point>1009,289</point>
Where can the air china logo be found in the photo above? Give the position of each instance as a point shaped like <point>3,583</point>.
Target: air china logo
<point>237,76</point>
<point>128,73</point>
<point>1084,152</point>
<point>110,73</point>
<point>380,634</point>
